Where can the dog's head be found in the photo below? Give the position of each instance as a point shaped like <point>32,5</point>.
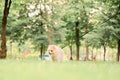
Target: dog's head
<point>51,49</point>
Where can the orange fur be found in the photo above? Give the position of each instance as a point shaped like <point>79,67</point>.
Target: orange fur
<point>56,53</point>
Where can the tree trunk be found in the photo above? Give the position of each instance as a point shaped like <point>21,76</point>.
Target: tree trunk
<point>86,44</point>
<point>92,55</point>
<point>19,50</point>
<point>11,48</point>
<point>86,30</point>
<point>49,31</point>
<point>118,51</point>
<point>77,39</point>
<point>41,51</point>
<point>87,52</point>
<point>44,48</point>
<point>3,34</point>
<point>50,38</point>
<point>104,53</point>
<point>70,52</point>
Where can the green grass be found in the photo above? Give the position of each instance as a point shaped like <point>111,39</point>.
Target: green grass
<point>33,69</point>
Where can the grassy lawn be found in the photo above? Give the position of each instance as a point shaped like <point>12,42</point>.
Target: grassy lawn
<point>33,69</point>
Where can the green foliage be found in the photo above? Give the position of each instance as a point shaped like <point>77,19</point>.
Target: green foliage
<point>37,19</point>
<point>107,30</point>
<point>114,18</point>
<point>101,37</point>
<point>99,21</point>
<point>77,11</point>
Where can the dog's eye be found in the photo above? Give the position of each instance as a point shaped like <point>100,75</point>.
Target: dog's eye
<point>51,50</point>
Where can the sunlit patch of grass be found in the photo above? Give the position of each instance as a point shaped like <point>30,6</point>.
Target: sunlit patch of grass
<point>34,69</point>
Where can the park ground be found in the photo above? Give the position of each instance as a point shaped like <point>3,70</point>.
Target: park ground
<point>34,69</point>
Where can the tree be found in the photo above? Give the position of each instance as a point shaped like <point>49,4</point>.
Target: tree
<point>104,34</point>
<point>41,23</point>
<point>3,34</point>
<point>76,18</point>
<point>100,38</point>
<point>112,14</point>
<point>70,39</point>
